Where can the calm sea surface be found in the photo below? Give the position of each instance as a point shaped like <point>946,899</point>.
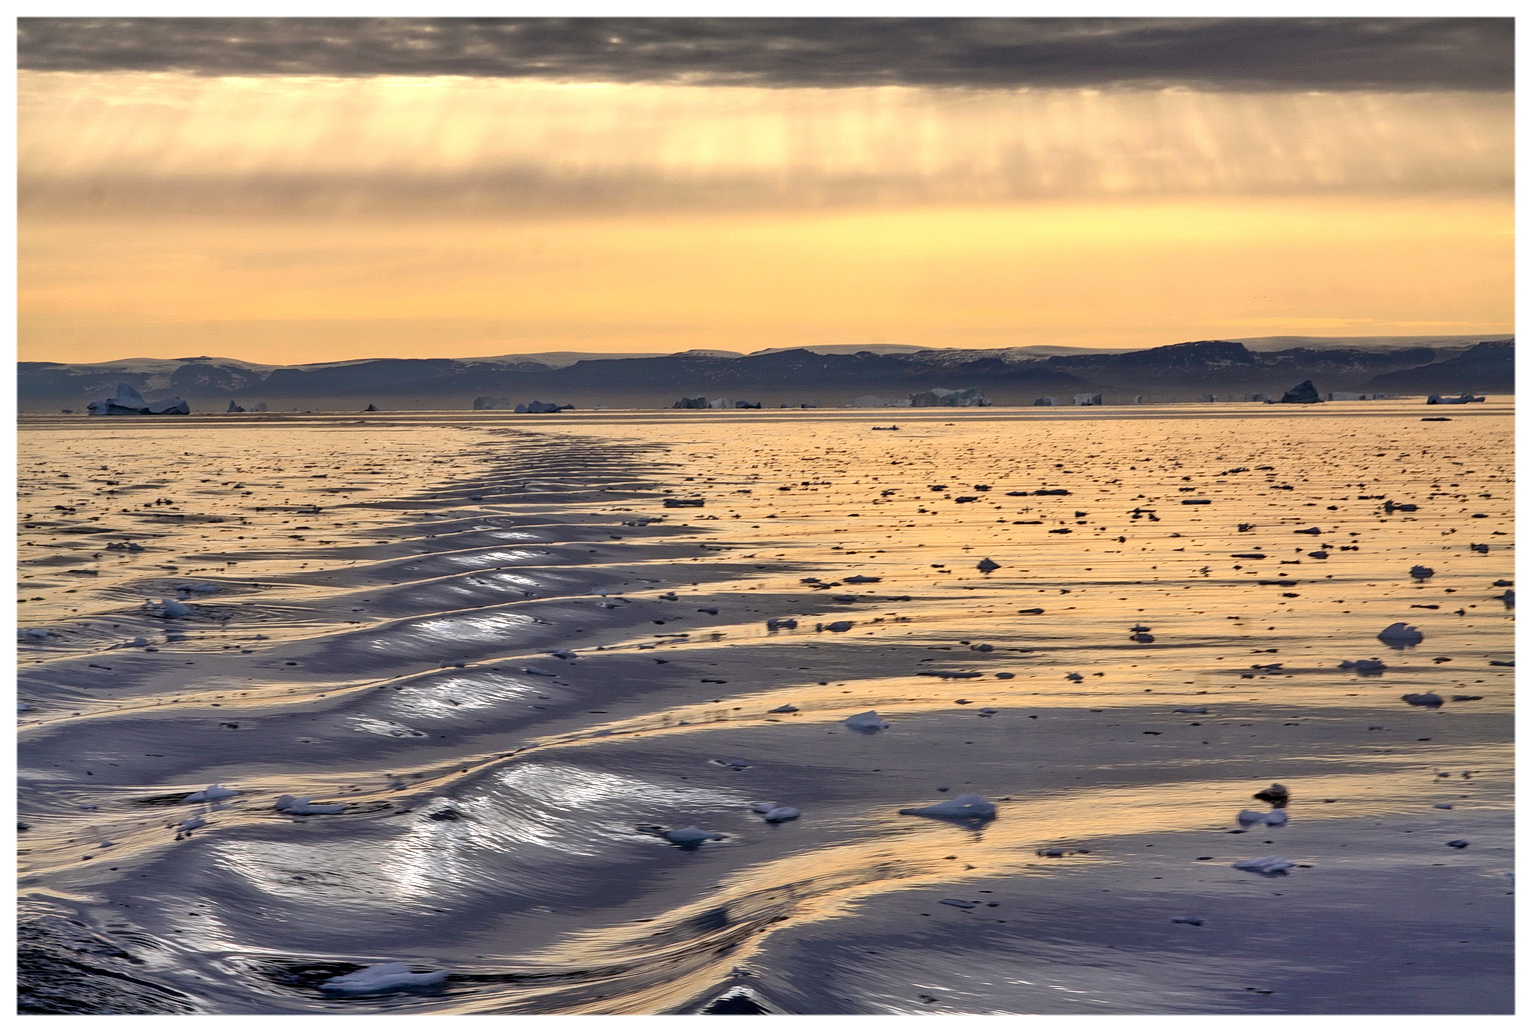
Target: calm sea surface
<point>502,667</point>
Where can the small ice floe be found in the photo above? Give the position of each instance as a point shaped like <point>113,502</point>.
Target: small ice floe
<point>1199,710</point>
<point>1276,795</point>
<point>869,721</point>
<point>730,764</point>
<point>1140,629</point>
<point>1421,572</point>
<point>32,634</point>
<point>1509,598</point>
<point>562,654</point>
<point>839,625</point>
<point>172,609</point>
<point>301,806</point>
<point>781,624</point>
<point>988,711</point>
<point>1365,667</point>
<point>1075,676</point>
<point>964,807</point>
<point>1277,818</point>
<point>961,904</point>
<point>774,813</point>
<point>1186,920</point>
<point>1458,843</point>
<point>1142,637</point>
<point>383,977</point>
<point>987,564</point>
<point>1265,865</point>
<point>190,824</point>
<point>210,794</point>
<point>1251,817</point>
<point>691,836</point>
<point>1398,635</point>
<point>859,579</point>
<point>537,671</point>
<point>124,546</point>
<point>786,707</point>
<point>1442,806</point>
<point>1428,699</point>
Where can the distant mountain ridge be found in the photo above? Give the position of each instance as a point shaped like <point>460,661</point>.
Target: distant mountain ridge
<point>831,375</point>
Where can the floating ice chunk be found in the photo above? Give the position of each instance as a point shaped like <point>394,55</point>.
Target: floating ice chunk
<point>859,579</point>
<point>1509,598</point>
<point>1398,635</point>
<point>692,836</point>
<point>1421,572</point>
<point>1277,818</point>
<point>987,564</point>
<point>731,764</point>
<point>1458,843</point>
<point>1366,667</point>
<point>1428,699</point>
<point>539,671</point>
<point>382,977</point>
<point>869,721</point>
<point>562,654</point>
<point>970,805</point>
<point>786,707</point>
<point>1186,920</point>
<point>171,608</point>
<point>763,807</point>
<point>301,806</point>
<point>191,824</point>
<point>1276,795</point>
<point>962,904</point>
<point>781,623</point>
<point>1142,638</point>
<point>1076,677</point>
<point>210,794</point>
<point>32,634</point>
<point>1190,709</point>
<point>1251,817</point>
<point>778,814</point>
<point>1265,865</point>
<point>839,625</point>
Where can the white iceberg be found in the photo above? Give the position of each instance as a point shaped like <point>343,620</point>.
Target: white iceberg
<point>380,977</point>
<point>128,402</point>
<point>970,805</point>
<point>210,794</point>
<point>692,836</point>
<point>869,721</point>
<point>300,806</point>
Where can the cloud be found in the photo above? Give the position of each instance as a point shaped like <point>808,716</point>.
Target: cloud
<point>1243,54</point>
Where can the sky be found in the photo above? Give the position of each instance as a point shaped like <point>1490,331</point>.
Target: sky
<point>304,190</point>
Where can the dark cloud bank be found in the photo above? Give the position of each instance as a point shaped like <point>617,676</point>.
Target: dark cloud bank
<point>1223,53</point>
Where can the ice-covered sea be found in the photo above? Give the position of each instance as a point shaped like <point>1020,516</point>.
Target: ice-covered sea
<point>489,668</point>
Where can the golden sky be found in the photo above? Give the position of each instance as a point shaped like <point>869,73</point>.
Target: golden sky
<point>331,214</point>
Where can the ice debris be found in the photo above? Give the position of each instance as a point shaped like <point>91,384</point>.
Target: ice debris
<point>690,836</point>
<point>381,977</point>
<point>1265,865</point>
<point>1421,572</point>
<point>1276,795</point>
<point>774,813</point>
<point>1365,667</point>
<point>210,794</point>
<point>970,806</point>
<point>1398,635</point>
<point>171,608</point>
<point>786,707</point>
<point>987,564</point>
<point>1428,699</point>
<point>869,721</point>
<point>300,806</point>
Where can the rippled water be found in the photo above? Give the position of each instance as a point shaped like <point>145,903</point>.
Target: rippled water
<point>513,666</point>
